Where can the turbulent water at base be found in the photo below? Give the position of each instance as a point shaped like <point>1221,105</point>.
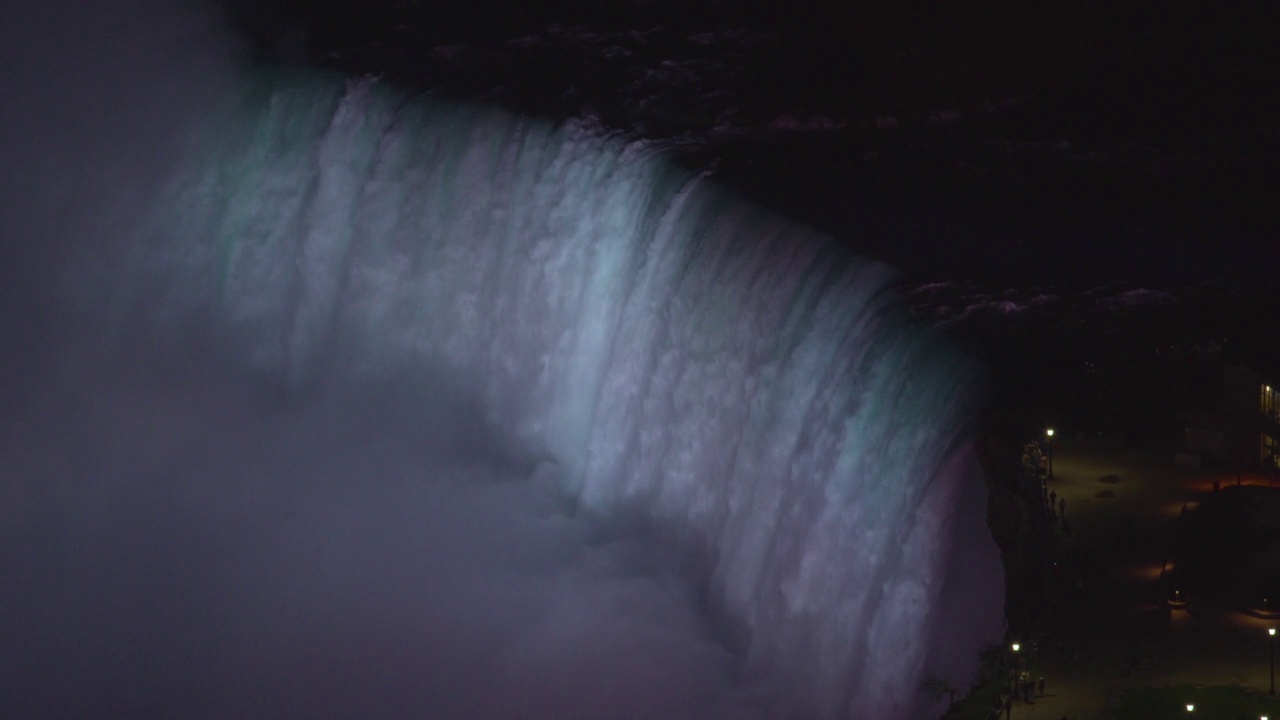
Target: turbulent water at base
<point>727,396</point>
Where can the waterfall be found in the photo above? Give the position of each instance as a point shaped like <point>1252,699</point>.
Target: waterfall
<point>663,349</point>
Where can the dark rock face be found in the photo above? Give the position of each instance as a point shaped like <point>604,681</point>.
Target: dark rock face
<point>1017,524</point>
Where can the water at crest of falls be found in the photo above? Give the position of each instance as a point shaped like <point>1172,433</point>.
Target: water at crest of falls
<point>657,348</point>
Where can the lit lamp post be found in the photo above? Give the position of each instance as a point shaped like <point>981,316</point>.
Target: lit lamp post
<point>1017,666</point>
<point>1049,432</point>
<point>1271,639</point>
<point>1190,707</point>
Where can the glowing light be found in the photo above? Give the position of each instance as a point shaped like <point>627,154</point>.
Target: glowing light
<point>1150,572</point>
<point>1016,646</point>
<point>1049,432</point>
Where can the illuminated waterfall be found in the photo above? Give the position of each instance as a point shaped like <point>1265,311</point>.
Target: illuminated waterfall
<point>665,347</point>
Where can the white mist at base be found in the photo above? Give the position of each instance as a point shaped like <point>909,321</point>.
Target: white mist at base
<point>374,406</point>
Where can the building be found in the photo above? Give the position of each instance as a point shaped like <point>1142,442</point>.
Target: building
<point>1251,418</point>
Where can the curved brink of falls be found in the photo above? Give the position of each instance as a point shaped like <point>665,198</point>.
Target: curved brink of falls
<point>672,351</point>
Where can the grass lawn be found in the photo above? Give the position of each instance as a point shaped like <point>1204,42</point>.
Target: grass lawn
<point>1211,703</point>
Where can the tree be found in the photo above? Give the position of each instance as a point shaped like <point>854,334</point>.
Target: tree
<point>936,687</point>
<point>991,661</point>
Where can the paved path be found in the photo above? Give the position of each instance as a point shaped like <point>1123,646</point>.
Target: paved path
<point>1084,662</point>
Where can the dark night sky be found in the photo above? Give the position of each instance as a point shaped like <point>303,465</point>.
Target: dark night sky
<point>990,139</point>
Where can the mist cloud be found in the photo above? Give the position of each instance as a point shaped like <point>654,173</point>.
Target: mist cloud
<point>197,548</point>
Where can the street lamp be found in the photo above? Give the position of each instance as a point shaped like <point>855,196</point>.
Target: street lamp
<point>1190,707</point>
<point>1049,432</point>
<point>1271,639</point>
<point>1017,667</point>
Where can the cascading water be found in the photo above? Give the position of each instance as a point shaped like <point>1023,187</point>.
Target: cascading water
<point>665,353</point>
